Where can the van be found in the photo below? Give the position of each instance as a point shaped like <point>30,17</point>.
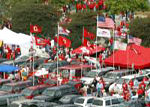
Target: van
<point>15,87</point>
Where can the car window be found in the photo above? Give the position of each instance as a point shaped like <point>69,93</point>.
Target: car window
<point>58,93</point>
<point>140,78</point>
<point>98,102</point>
<point>79,100</point>
<point>36,92</point>
<point>90,100</point>
<point>108,102</point>
<point>115,101</point>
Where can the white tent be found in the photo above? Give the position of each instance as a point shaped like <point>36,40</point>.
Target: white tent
<point>10,37</point>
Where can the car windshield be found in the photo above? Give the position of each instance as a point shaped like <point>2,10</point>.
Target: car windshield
<point>27,92</point>
<point>49,92</point>
<point>6,88</point>
<point>110,75</point>
<point>98,102</point>
<point>91,74</point>
<point>120,81</point>
<point>79,101</point>
<point>50,82</point>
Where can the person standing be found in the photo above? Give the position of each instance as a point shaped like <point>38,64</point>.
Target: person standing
<point>99,88</point>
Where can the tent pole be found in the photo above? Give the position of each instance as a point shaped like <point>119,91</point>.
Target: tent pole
<point>113,48</point>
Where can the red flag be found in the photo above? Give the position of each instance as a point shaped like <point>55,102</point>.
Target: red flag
<point>35,29</point>
<point>63,41</point>
<point>84,42</point>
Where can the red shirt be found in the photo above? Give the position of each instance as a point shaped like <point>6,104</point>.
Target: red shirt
<point>142,84</point>
<point>124,86</point>
<point>131,83</point>
<point>140,92</point>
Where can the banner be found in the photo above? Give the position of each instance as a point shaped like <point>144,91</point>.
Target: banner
<point>119,45</point>
<point>103,33</point>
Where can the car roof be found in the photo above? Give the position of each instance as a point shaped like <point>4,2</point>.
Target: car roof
<point>4,80</point>
<point>103,69</point>
<point>86,97</point>
<point>108,97</point>
<point>25,101</point>
<point>59,87</point>
<point>17,83</point>
<point>38,87</point>
<point>132,76</point>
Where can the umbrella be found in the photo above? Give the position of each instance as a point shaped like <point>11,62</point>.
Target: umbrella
<point>8,68</point>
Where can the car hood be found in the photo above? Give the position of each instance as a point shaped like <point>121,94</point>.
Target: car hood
<point>87,80</point>
<point>4,93</point>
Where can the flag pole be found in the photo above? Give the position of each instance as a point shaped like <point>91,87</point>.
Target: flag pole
<point>82,51</point>
<point>114,44</point>
<point>96,42</point>
<point>57,52</point>
<point>100,67</point>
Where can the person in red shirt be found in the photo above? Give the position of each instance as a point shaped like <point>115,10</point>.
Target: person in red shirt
<point>131,84</point>
<point>140,92</point>
<point>142,85</point>
<point>18,51</point>
<point>124,85</point>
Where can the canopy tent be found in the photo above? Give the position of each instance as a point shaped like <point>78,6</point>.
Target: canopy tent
<point>8,68</point>
<point>87,50</point>
<point>137,56</point>
<point>12,38</point>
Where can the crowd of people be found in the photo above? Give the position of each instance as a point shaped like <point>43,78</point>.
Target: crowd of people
<point>9,51</point>
<point>132,90</point>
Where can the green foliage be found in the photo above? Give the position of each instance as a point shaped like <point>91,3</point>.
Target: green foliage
<point>80,20</point>
<point>140,27</point>
<point>116,6</point>
<point>24,14</point>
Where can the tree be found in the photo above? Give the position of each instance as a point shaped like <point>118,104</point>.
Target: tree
<point>116,6</point>
<point>140,27</point>
<point>24,14</point>
<point>80,20</point>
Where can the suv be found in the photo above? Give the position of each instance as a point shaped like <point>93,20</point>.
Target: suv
<point>127,79</point>
<point>33,91</point>
<point>109,101</point>
<point>4,81</point>
<point>84,101</point>
<point>55,93</point>
<point>14,87</point>
<point>112,76</point>
<point>89,77</point>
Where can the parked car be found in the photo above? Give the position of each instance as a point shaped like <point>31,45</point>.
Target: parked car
<point>89,77</point>
<point>52,65</point>
<point>113,76</point>
<point>50,82</point>
<point>84,101</point>
<point>33,91</point>
<point>68,99</point>
<point>15,87</point>
<point>68,105</point>
<point>5,99</point>
<point>109,101</point>
<point>55,93</point>
<point>4,81</point>
<point>127,79</point>
<point>27,103</point>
